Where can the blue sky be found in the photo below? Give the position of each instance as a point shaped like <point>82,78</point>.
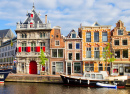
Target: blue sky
<point>68,14</point>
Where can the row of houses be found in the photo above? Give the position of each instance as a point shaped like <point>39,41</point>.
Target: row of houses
<point>74,54</point>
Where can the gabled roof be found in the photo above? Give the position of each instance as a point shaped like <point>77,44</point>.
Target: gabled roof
<point>6,33</point>
<point>72,31</point>
<point>36,18</point>
<point>96,24</point>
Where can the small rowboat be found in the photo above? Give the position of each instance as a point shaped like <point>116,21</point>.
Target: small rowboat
<point>106,85</point>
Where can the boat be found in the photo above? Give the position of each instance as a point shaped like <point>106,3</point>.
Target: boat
<point>3,74</point>
<point>106,85</point>
<point>90,79</point>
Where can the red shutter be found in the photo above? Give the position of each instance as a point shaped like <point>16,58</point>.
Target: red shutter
<point>31,24</point>
<point>43,48</point>
<point>43,68</point>
<point>35,49</point>
<point>19,49</point>
<point>32,15</point>
<point>38,49</point>
<point>29,49</point>
<point>26,49</point>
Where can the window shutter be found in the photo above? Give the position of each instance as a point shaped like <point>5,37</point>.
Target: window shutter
<point>38,49</point>
<point>31,24</point>
<point>35,49</point>
<point>19,49</point>
<point>31,15</point>
<point>43,48</point>
<point>26,49</point>
<point>29,49</point>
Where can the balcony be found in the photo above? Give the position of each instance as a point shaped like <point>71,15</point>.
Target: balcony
<point>33,26</point>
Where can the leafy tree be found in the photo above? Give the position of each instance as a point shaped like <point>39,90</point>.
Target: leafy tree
<point>107,55</point>
<point>42,58</point>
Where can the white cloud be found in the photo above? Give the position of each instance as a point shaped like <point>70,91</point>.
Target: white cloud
<point>68,13</point>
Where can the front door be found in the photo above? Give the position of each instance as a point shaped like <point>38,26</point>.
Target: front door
<point>53,70</point>
<point>69,68</point>
<point>33,67</point>
<point>121,71</point>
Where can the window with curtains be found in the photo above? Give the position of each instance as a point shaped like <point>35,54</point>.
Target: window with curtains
<point>104,36</point>
<point>42,44</point>
<point>96,52</point>
<point>33,45</point>
<point>59,66</point>
<point>117,53</point>
<point>23,47</point>
<point>88,52</point>
<point>88,37</point>
<point>96,36</point>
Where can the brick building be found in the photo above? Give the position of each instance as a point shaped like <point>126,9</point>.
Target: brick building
<point>95,39</point>
<point>121,49</point>
<point>73,53</point>
<point>32,35</point>
<point>57,51</point>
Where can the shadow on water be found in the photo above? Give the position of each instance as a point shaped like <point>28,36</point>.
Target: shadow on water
<point>42,88</point>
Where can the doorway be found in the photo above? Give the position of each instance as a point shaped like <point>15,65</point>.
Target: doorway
<point>33,67</point>
<point>69,68</point>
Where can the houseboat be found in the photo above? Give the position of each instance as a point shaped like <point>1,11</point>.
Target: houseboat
<point>91,79</point>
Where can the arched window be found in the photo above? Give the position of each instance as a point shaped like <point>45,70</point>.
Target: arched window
<point>25,35</point>
<point>43,34</point>
<point>40,35</point>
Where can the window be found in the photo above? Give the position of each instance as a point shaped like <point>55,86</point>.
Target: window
<point>42,44</point>
<point>44,34</point>
<point>33,45</point>
<point>88,37</point>
<point>24,35</point>
<point>60,52</point>
<point>73,35</point>
<point>125,53</point>
<point>120,32</point>
<point>103,51</point>
<point>96,36</point>
<point>96,52</point>
<point>116,42</point>
<point>23,47</point>
<point>40,35</point>
<point>117,53</point>
<point>77,56</point>
<point>100,67</point>
<point>77,68</point>
<point>54,53</point>
<point>104,36</point>
<point>89,67</point>
<point>57,43</point>
<point>70,56</point>
<point>88,53</point>
<point>59,66</point>
<point>70,45</point>
<point>124,42</point>
<point>77,46</point>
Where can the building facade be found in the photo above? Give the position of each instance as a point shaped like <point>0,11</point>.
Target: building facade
<point>121,49</point>
<point>8,53</point>
<point>32,35</point>
<point>57,51</point>
<point>95,39</point>
<point>73,53</point>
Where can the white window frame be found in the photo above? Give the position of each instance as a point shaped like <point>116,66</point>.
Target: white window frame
<point>79,55</point>
<point>57,41</point>
<point>80,67</point>
<point>114,42</point>
<point>79,45</point>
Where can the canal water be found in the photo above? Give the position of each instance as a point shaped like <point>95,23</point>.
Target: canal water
<point>41,88</point>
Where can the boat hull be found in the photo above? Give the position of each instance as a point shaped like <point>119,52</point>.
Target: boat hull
<point>89,83</point>
<point>3,74</point>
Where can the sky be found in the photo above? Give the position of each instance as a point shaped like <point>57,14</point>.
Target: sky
<point>68,14</point>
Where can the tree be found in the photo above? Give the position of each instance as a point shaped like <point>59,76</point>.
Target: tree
<point>107,55</point>
<point>42,58</point>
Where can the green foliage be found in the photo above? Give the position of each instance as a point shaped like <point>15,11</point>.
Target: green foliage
<point>11,43</point>
<point>107,54</point>
<point>42,58</point>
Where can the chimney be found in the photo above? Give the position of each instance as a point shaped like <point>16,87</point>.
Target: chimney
<point>45,19</point>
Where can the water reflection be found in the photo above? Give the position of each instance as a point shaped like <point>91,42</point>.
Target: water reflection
<point>41,88</point>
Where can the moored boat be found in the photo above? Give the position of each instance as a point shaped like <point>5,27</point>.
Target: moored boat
<point>106,85</point>
<point>91,78</point>
<point>3,74</point>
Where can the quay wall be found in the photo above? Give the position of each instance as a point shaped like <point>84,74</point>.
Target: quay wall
<point>38,78</point>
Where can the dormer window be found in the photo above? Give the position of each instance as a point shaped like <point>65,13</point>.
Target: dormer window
<point>120,32</point>
<point>74,35</point>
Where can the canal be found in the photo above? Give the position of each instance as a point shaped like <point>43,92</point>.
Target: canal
<point>41,88</point>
